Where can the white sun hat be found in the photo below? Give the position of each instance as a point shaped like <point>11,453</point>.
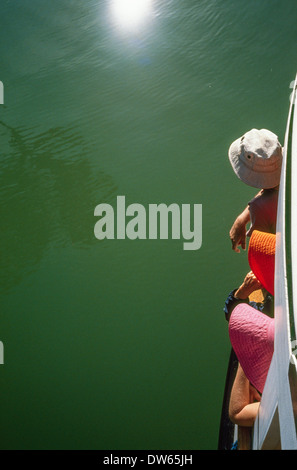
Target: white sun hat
<point>256,158</point>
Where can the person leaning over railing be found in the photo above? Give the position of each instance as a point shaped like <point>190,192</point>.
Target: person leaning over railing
<point>251,330</point>
<point>256,159</point>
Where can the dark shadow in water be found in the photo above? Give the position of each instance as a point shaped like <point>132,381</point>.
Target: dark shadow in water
<point>48,192</point>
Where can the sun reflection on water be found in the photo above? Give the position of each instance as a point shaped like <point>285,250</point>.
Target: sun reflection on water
<point>131,14</point>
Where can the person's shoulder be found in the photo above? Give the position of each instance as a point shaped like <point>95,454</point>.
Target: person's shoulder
<point>267,196</point>
<point>270,193</point>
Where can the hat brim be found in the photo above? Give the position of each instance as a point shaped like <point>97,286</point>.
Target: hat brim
<point>252,337</point>
<point>261,258</point>
<point>257,179</point>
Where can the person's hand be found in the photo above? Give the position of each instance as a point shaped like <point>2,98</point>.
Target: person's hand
<point>238,231</point>
<point>249,285</point>
<point>237,236</point>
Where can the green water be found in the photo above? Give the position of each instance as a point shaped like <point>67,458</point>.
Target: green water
<point>122,344</point>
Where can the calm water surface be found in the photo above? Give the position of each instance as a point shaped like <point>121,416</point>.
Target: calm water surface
<point>122,344</point>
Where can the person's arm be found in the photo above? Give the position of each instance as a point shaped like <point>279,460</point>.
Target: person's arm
<point>242,407</point>
<point>241,294</point>
<point>249,285</point>
<point>238,230</point>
